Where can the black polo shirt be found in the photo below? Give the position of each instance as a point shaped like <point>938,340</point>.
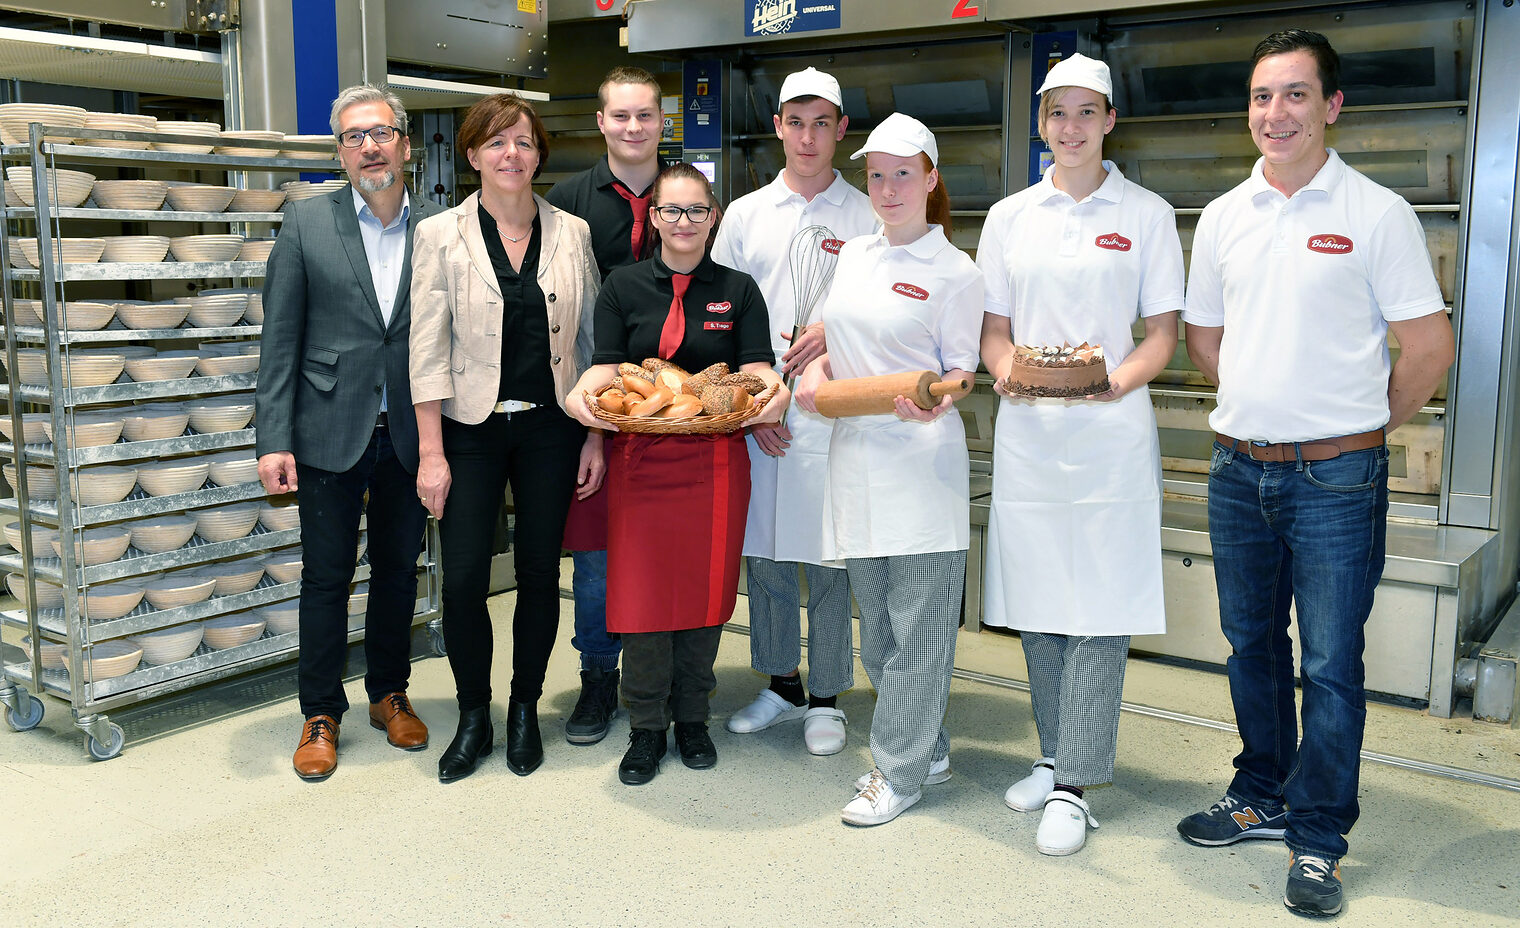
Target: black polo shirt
<point>590,196</point>
<point>726,317</point>
<point>525,373</point>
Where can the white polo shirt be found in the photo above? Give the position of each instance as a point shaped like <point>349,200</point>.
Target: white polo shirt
<point>1071,272</point>
<point>1305,287</point>
<point>756,236</point>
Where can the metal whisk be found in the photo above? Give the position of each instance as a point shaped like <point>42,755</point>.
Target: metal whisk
<point>814,253</point>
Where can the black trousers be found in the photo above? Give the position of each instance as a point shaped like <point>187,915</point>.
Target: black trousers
<point>537,452</point>
<point>669,675</point>
<point>330,505</point>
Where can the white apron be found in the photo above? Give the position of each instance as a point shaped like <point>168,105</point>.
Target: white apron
<point>896,487</point>
<point>790,531</point>
<point>1074,539</point>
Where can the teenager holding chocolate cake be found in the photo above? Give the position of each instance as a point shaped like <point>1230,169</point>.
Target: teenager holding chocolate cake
<point>896,501</point>
<point>676,503</point>
<point>1074,539</point>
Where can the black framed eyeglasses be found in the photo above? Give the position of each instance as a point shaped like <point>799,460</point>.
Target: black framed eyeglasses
<point>354,138</point>
<point>673,214</point>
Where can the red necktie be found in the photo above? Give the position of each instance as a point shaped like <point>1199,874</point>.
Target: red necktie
<point>640,207</point>
<point>675,320</point>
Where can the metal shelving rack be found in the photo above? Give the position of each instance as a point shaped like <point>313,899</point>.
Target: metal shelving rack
<point>90,700</point>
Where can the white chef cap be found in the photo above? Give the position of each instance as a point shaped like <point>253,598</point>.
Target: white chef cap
<point>903,136</point>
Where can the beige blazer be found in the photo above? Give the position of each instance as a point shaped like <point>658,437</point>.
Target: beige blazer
<point>457,307</point>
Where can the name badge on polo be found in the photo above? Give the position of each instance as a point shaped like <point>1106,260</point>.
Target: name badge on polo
<point>1328,243</point>
<point>714,325</point>
<point>722,307</point>
<point>917,293</point>
<point>1113,241</point>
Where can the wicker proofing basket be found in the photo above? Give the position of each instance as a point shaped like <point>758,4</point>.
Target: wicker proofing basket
<point>724,422</point>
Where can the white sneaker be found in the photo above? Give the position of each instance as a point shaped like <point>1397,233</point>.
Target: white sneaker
<point>877,803</point>
<point>768,709</point>
<point>939,772</point>
<point>823,731</point>
<point>1063,827</point>
<point>1028,795</point>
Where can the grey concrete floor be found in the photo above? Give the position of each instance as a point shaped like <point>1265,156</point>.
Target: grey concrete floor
<point>201,821</point>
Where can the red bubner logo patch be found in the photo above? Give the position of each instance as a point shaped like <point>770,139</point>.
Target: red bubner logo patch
<point>722,307</point>
<point>1113,241</point>
<point>910,290</point>
<point>831,245</point>
<point>1329,244</point>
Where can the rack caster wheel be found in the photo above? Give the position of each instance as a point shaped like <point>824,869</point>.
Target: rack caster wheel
<point>435,638</point>
<point>25,717</point>
<point>100,751</point>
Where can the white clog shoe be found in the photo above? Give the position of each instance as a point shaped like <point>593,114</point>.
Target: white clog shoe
<point>1028,795</point>
<point>823,731</point>
<point>768,709</point>
<point>1063,827</point>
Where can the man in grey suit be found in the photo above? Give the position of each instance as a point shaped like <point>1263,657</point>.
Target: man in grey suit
<point>335,420</point>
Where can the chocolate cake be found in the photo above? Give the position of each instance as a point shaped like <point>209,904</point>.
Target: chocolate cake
<point>1062,371</point>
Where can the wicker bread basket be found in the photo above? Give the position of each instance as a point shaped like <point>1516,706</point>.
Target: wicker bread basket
<point>720,423</point>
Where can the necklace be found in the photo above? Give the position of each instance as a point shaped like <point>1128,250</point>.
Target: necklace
<point>510,238</point>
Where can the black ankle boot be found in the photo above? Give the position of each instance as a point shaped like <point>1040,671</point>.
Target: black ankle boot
<point>642,762</point>
<point>596,707</point>
<point>471,742</point>
<point>525,749</point>
<point>696,746</point>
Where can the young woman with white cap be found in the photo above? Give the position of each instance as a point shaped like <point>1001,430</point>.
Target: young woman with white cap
<point>1074,539</point>
<point>896,501</point>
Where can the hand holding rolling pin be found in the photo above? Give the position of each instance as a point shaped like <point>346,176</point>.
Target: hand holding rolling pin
<point>915,396</point>
<point>813,376</point>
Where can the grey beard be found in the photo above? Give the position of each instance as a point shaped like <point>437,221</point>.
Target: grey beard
<point>375,186</point>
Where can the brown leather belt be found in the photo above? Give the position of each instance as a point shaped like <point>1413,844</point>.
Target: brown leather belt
<point>1321,449</point>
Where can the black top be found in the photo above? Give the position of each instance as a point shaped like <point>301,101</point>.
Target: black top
<point>525,373</point>
<point>726,317</point>
<point>590,196</point>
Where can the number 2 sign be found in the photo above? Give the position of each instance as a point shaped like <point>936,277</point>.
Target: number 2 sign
<point>963,9</point>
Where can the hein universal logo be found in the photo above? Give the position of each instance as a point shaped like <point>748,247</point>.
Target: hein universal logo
<point>1113,241</point>
<point>1330,244</point>
<point>832,245</point>
<point>910,290</point>
<point>777,17</point>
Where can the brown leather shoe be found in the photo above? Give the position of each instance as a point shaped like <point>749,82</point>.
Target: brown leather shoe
<point>393,715</point>
<point>317,754</point>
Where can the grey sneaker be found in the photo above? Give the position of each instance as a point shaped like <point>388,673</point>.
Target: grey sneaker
<point>1230,820</point>
<point>1314,885</point>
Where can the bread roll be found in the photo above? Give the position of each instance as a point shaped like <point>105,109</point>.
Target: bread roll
<point>704,379</point>
<point>634,372</point>
<point>652,404</point>
<point>721,398</point>
<point>611,401</point>
<point>750,382</point>
<point>640,386</point>
<point>672,378</point>
<point>655,365</point>
<point>681,407</point>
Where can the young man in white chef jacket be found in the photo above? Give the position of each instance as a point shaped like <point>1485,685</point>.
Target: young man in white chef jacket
<point>1298,275</point>
<point>788,463</point>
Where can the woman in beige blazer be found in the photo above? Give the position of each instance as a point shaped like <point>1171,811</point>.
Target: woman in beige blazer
<point>503,287</point>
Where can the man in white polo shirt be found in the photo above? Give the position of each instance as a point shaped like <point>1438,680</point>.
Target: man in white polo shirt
<point>788,463</point>
<point>1297,276</point>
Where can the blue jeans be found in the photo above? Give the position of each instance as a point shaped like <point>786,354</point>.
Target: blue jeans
<point>588,584</point>
<point>1310,534</point>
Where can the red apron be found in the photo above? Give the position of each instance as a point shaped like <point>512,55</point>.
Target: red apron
<point>586,525</point>
<point>676,506</point>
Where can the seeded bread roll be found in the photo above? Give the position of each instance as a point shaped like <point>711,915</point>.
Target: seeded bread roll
<point>750,382</point>
<point>616,384</point>
<point>633,371</point>
<point>655,365</point>
<point>722,398</point>
<point>704,379</point>
<point>681,407</point>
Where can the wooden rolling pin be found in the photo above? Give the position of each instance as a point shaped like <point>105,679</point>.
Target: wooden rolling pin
<point>872,396</point>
